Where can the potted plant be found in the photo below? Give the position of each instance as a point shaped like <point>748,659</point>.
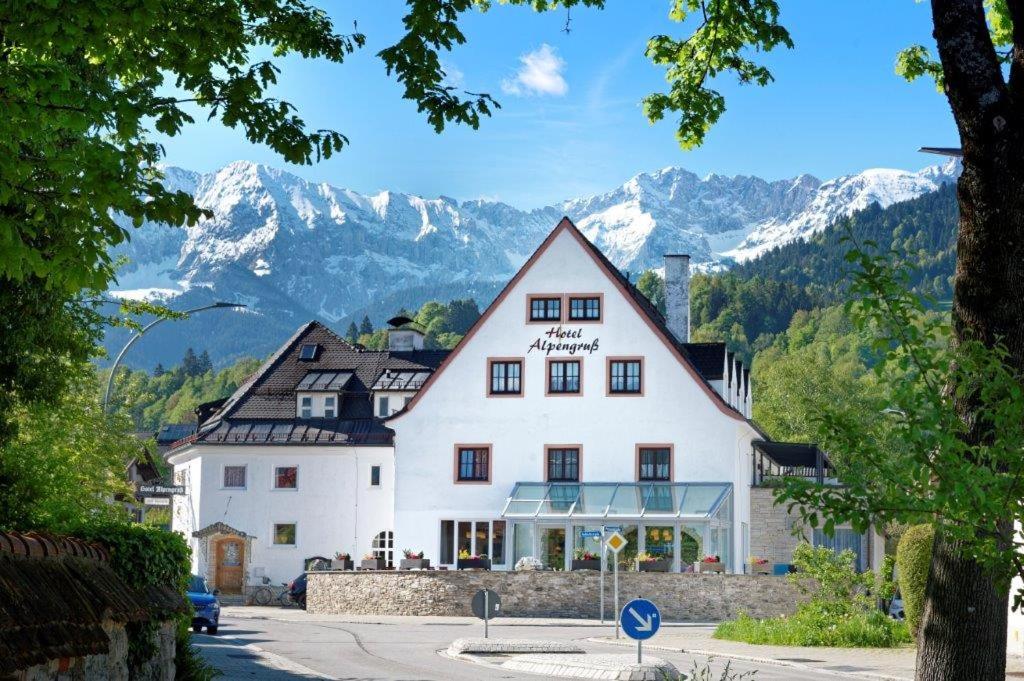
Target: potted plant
<point>645,562</point>
<point>470,562</point>
<point>712,564</point>
<point>760,566</point>
<point>341,561</point>
<point>585,560</point>
<point>413,561</point>
<point>372,562</point>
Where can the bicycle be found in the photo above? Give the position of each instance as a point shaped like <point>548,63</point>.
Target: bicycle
<point>265,595</point>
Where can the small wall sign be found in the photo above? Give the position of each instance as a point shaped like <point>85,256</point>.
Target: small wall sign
<point>561,340</point>
<point>161,489</point>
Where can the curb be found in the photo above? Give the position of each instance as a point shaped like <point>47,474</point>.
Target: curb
<point>760,660</point>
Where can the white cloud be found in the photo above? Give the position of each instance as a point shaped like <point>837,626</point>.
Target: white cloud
<point>453,77</point>
<point>540,73</point>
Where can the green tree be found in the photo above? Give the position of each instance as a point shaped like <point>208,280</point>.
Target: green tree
<point>67,461</point>
<point>352,334</point>
<point>365,326</point>
<point>653,287</point>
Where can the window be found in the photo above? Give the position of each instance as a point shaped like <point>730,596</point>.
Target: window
<point>306,410</point>
<point>564,376</point>
<point>234,477</point>
<point>375,476</point>
<point>654,463</point>
<point>585,308</point>
<point>475,537</point>
<point>506,377</point>
<point>329,407</point>
<point>286,477</point>
<point>473,463</point>
<point>625,376</point>
<point>383,546</point>
<point>543,309</point>
<point>383,411</point>
<point>563,464</point>
<point>406,400</point>
<point>284,534</point>
<point>308,352</point>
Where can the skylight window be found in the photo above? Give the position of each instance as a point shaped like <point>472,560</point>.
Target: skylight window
<point>309,351</point>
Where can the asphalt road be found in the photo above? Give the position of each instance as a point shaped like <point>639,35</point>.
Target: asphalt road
<point>293,645</point>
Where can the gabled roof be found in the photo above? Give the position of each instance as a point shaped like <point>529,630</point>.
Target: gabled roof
<point>647,311</point>
<point>262,409</point>
<point>708,358</point>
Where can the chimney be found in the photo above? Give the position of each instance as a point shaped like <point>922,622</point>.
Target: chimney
<point>403,335</point>
<point>677,296</point>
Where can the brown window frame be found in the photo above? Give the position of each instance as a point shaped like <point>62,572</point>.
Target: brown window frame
<point>599,297</point>
<point>459,448</point>
<point>648,446</point>
<point>624,393</point>
<point>547,297</point>
<point>491,361</point>
<point>547,376</point>
<point>563,448</point>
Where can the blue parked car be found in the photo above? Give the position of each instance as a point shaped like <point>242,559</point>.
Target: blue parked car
<point>205,605</point>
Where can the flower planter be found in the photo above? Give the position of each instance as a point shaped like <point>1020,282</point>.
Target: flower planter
<point>414,564</point>
<point>760,568</point>
<point>653,565</point>
<point>712,567</point>
<point>593,564</point>
<point>372,564</point>
<point>473,564</point>
<point>341,564</point>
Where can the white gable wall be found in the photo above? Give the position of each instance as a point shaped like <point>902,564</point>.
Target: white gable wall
<point>676,409</point>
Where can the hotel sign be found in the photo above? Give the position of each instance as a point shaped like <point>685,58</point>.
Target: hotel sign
<point>161,489</point>
<point>561,340</point>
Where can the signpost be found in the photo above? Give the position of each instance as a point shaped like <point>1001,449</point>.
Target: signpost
<point>599,535</point>
<point>640,621</point>
<point>616,542</point>
<point>486,604</point>
<point>157,501</point>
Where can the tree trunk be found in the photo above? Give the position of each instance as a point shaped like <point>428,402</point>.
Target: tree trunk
<point>963,634</point>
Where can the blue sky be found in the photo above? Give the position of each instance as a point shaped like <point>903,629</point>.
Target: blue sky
<point>571,122</point>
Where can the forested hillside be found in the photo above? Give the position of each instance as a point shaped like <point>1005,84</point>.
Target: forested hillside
<point>171,395</point>
<point>753,302</point>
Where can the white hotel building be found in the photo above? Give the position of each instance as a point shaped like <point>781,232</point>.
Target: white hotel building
<point>571,404</point>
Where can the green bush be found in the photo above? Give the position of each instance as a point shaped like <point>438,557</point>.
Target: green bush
<point>838,614</point>
<point>913,561</point>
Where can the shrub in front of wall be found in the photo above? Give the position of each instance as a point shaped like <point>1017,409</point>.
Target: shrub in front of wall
<point>913,561</point>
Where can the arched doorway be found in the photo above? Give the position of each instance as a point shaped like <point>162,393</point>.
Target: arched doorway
<point>383,546</point>
<point>229,557</point>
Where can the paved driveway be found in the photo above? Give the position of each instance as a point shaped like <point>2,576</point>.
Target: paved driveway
<point>284,644</point>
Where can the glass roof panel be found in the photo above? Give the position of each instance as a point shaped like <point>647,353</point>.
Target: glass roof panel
<point>702,500</point>
<point>522,508</point>
<point>594,499</point>
<point>662,500</point>
<point>560,500</point>
<point>628,500</point>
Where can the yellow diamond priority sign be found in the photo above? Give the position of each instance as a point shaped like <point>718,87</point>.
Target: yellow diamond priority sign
<point>616,542</point>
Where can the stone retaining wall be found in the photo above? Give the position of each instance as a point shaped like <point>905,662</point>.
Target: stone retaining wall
<point>681,597</point>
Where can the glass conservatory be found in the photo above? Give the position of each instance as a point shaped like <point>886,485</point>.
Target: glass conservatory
<point>677,522</point>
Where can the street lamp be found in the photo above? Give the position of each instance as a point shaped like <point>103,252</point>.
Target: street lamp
<point>147,327</point>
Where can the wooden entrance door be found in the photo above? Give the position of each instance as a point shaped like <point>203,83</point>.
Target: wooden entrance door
<point>230,554</point>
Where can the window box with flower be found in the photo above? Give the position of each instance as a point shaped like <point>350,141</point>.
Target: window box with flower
<point>341,561</point>
<point>372,562</point>
<point>585,560</point>
<point>468,561</point>
<point>711,564</point>
<point>646,562</point>
<point>760,566</point>
<point>413,561</point>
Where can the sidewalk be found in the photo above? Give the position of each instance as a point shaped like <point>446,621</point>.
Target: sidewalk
<point>890,664</point>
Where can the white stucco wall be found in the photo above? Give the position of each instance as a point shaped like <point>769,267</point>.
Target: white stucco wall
<point>709,445</point>
<point>334,506</point>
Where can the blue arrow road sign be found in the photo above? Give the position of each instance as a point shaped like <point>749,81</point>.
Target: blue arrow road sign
<point>640,619</point>
<point>590,534</point>
<point>612,528</point>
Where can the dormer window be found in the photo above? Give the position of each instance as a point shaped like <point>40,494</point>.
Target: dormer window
<point>306,408</point>
<point>309,352</point>
<point>329,408</point>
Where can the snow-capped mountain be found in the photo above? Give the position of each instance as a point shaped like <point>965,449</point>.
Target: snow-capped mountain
<point>291,249</point>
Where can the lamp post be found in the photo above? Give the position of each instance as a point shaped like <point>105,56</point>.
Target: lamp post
<point>137,336</point>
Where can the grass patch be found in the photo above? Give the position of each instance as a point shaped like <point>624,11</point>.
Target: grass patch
<point>810,628</point>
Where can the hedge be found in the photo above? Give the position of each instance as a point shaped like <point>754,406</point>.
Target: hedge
<point>913,560</point>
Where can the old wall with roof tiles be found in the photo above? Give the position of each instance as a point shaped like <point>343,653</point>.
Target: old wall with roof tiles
<point>680,597</point>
